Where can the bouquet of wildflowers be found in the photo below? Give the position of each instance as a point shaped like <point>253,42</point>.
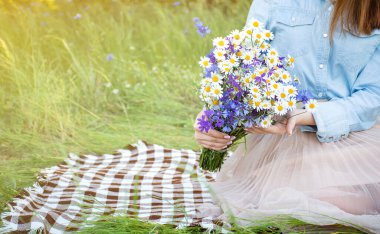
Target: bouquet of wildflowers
<point>245,82</point>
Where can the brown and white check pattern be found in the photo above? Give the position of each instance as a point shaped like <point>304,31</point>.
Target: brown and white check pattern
<point>144,180</point>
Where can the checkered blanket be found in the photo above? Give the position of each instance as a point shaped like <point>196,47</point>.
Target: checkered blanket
<point>144,180</point>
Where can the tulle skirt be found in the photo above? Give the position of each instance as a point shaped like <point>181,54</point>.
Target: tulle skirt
<point>319,183</point>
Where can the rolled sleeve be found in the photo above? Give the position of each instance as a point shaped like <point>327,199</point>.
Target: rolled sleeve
<point>338,117</point>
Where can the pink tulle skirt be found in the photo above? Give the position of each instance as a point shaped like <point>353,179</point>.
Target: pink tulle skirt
<point>319,183</point>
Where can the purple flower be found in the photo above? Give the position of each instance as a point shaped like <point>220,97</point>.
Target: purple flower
<point>77,16</point>
<point>176,3</point>
<point>260,79</point>
<point>303,96</point>
<point>201,29</point>
<point>204,124</point>
<point>110,57</point>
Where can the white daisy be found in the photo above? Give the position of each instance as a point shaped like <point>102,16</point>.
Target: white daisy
<point>247,57</point>
<point>237,37</point>
<point>268,35</point>
<point>220,43</point>
<point>219,54</point>
<point>216,78</point>
<point>291,90</point>
<point>285,76</point>
<point>233,61</point>
<point>225,67</point>
<point>216,92</point>
<point>255,24</point>
<point>205,62</point>
<point>311,105</point>
<point>280,108</point>
<point>291,104</point>
<point>266,122</point>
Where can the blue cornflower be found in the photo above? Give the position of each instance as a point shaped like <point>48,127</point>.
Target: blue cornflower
<point>303,96</point>
<point>110,57</point>
<point>77,16</point>
<point>201,29</point>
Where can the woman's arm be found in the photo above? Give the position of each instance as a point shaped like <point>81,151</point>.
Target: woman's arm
<point>338,117</point>
<point>296,117</point>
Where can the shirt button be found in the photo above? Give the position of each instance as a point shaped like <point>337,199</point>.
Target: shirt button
<point>293,19</point>
<point>325,35</point>
<point>321,66</point>
<point>320,94</point>
<point>330,8</point>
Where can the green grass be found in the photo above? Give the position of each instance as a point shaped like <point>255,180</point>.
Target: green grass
<point>53,97</point>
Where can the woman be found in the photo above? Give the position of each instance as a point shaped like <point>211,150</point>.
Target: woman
<point>322,168</point>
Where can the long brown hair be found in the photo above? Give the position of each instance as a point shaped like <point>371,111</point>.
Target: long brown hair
<point>358,16</point>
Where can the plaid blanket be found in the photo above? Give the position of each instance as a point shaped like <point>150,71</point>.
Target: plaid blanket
<point>144,180</point>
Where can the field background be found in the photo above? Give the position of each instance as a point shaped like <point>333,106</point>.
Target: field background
<point>92,76</point>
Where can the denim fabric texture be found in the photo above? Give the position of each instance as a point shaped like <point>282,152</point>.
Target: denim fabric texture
<point>345,72</point>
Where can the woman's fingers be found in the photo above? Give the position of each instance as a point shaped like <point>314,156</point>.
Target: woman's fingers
<point>211,145</point>
<point>211,138</point>
<point>217,134</point>
<point>290,126</point>
<point>274,129</point>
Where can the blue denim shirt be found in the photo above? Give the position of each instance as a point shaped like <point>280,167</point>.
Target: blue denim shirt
<point>346,73</point>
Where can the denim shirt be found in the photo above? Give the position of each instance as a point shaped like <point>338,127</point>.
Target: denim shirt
<point>345,73</point>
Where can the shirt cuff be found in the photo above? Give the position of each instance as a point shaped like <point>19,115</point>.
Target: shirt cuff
<point>332,125</point>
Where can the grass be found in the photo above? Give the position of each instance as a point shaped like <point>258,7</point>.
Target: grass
<point>60,94</point>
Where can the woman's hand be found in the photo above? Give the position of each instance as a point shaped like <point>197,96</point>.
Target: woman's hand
<point>286,126</point>
<point>212,139</point>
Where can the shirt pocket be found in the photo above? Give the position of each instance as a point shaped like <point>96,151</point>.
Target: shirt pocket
<point>354,51</point>
<point>292,27</point>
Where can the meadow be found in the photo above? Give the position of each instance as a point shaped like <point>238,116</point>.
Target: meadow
<point>94,76</point>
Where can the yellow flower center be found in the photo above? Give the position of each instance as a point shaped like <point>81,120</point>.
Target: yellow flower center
<point>205,63</point>
<point>217,91</point>
<point>267,34</point>
<point>239,53</point>
<point>290,103</point>
<point>237,36</point>
<point>215,102</point>
<point>275,86</point>
<point>232,60</point>
<point>290,91</point>
<point>283,95</point>
<point>221,43</point>
<point>215,78</point>
<point>247,80</point>
<point>247,57</point>
<point>258,36</point>
<point>249,32</point>
<point>255,90</point>
<point>257,104</point>
<point>280,108</point>
<point>250,102</point>
<point>255,24</point>
<point>291,60</point>
<point>311,106</point>
<point>208,89</point>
